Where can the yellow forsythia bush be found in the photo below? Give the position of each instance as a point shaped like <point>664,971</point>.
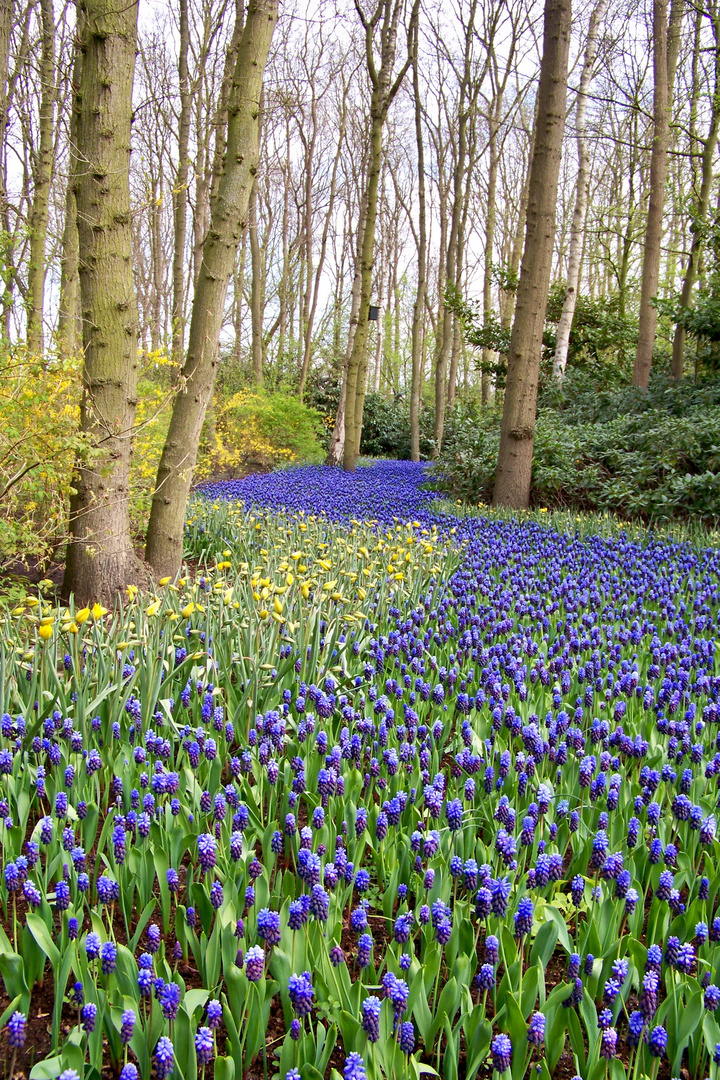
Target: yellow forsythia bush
<point>39,442</point>
<point>255,430</point>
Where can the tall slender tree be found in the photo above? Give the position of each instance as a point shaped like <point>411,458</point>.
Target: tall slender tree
<point>517,435</point>
<point>577,233</point>
<point>381,30</point>
<point>219,252</point>
<point>666,41</point>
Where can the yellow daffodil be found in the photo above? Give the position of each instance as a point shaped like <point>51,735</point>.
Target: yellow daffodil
<point>163,581</point>
<point>188,610</point>
<point>82,616</point>
<point>98,611</point>
<point>153,608</point>
<point>45,631</point>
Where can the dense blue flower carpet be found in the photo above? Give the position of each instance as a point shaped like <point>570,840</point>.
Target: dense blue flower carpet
<point>376,791</point>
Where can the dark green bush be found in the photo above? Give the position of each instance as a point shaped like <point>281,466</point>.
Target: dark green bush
<point>654,456</point>
<point>386,428</point>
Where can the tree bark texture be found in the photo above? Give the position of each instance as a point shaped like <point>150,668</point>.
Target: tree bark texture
<point>517,435</point>
<point>69,317</point>
<point>100,558</point>
<point>228,219</point>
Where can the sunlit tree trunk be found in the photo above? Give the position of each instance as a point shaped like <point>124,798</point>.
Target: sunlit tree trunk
<point>167,516</point>
<point>100,557</point>
<point>512,482</point>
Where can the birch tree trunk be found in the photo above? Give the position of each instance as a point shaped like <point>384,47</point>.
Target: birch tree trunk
<point>172,487</point>
<point>100,557</point>
<point>42,179</point>
<point>577,231</point>
<point>517,436</point>
<point>665,46</point>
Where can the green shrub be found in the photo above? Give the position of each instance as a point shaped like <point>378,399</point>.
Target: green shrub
<point>255,430</point>
<point>657,460</point>
<point>386,428</point>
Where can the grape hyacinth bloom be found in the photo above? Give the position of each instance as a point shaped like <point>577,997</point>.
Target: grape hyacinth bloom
<point>501,1050</point>
<point>204,1046</point>
<point>164,1058</point>
<point>16,1027</point>
<point>354,1068</point>
<point>255,963</point>
<point>301,993</point>
<point>371,1018</point>
<point>536,1029</point>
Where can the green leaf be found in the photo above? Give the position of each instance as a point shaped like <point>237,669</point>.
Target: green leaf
<point>48,1069</point>
<point>544,944</point>
<point>551,912</point>
<point>41,934</point>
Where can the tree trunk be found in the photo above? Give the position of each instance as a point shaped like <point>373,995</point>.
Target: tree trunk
<point>512,483</point>
<point>664,62</point>
<point>256,291</point>
<point>337,442</point>
<point>387,14</point>
<point>7,20</point>
<point>419,305</point>
<point>577,231</point>
<point>180,193</point>
<point>701,212</point>
<point>307,351</point>
<point>69,318</point>
<point>172,487</point>
<point>100,557</point>
<point>357,366</point>
<point>488,357</point>
<point>42,179</point>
